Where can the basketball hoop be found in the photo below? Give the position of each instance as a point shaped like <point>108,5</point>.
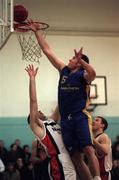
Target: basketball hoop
<point>30,48</point>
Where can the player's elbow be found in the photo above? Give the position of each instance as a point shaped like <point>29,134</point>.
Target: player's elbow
<point>93,75</point>
<point>90,75</point>
<point>105,151</point>
<point>33,100</point>
<point>46,51</point>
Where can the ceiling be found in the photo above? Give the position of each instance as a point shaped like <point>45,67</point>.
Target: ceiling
<point>86,16</point>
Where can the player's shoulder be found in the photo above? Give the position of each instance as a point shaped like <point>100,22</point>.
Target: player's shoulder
<point>104,137</point>
<point>65,69</point>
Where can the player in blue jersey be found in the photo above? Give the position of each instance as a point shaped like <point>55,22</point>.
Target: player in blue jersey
<point>73,97</point>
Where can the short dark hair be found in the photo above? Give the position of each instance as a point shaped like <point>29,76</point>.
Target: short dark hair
<point>26,145</point>
<point>85,58</point>
<point>28,119</point>
<point>104,121</point>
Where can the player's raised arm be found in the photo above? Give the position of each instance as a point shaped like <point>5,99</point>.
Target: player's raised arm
<point>90,73</point>
<point>102,144</point>
<point>57,63</point>
<point>35,123</point>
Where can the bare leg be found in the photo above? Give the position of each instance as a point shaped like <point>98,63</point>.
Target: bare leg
<point>93,161</point>
<point>81,168</point>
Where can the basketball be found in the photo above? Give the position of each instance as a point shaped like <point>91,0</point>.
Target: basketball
<point>20,13</point>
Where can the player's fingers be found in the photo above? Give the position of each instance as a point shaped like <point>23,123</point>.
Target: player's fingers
<point>81,50</point>
<point>29,66</point>
<point>32,67</point>
<point>26,69</point>
<point>36,69</point>
<point>29,21</point>
<point>76,53</point>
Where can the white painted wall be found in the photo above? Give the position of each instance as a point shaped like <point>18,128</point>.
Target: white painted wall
<point>14,99</point>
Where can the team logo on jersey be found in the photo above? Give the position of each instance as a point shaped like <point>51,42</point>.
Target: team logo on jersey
<point>69,117</point>
<point>57,129</point>
<point>63,80</point>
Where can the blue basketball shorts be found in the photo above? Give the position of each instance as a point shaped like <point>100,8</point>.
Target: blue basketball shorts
<point>77,131</point>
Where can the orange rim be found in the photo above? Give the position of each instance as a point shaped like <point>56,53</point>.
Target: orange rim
<point>22,27</point>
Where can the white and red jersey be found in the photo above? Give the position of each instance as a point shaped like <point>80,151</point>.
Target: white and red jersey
<point>105,161</point>
<point>61,167</point>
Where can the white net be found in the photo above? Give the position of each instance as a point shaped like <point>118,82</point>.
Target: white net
<point>30,48</point>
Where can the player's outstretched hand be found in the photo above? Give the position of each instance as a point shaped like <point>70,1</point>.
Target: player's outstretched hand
<point>31,71</point>
<point>34,26</point>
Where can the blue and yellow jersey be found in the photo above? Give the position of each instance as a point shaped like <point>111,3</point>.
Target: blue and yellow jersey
<point>73,91</point>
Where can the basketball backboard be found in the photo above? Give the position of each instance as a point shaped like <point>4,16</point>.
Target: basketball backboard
<point>98,92</point>
<point>6,20</point>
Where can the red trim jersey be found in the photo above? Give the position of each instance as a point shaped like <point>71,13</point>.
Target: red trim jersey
<point>61,166</point>
<point>105,161</point>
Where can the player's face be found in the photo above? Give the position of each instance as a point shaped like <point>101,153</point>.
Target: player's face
<point>97,123</point>
<point>73,64</point>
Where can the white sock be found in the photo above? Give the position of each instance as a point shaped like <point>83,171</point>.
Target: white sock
<point>97,178</point>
